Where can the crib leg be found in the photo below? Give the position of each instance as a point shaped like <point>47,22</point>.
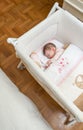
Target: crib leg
<point>69,120</point>
<point>21,66</point>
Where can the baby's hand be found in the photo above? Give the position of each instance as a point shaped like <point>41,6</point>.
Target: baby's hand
<point>48,64</point>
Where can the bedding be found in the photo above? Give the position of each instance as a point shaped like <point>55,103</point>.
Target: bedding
<point>18,112</point>
<point>69,87</point>
<point>67,62</point>
<point>62,64</point>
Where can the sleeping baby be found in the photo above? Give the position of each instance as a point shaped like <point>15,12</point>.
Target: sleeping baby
<point>51,52</point>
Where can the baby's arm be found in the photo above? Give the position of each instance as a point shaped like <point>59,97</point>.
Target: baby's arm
<point>34,56</point>
<point>48,63</point>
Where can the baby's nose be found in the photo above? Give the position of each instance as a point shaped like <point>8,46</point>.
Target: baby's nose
<point>48,56</point>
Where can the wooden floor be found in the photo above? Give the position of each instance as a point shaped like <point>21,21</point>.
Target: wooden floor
<point>17,17</point>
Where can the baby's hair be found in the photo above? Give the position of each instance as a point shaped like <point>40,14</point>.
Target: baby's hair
<point>48,46</point>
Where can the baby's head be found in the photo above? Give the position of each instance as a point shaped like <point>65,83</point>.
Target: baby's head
<point>49,50</point>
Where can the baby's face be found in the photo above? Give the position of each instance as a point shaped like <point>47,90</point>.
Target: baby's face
<point>50,53</point>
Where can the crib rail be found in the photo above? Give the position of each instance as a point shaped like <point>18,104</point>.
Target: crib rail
<point>54,8</point>
<point>12,41</point>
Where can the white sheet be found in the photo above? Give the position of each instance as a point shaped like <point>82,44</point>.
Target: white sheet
<point>17,112</point>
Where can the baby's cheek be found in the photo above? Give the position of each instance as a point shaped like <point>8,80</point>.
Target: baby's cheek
<point>52,54</point>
